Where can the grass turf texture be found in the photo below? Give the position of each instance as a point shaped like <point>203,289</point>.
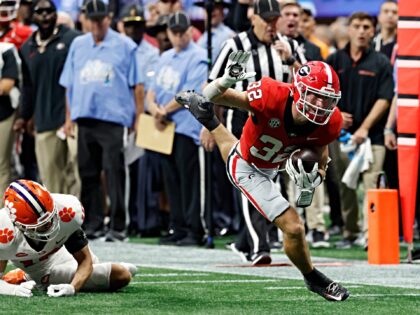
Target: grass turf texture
<point>162,291</point>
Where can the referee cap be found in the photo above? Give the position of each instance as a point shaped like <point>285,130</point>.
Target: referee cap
<point>267,8</point>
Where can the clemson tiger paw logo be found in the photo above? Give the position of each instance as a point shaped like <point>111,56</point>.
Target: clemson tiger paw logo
<point>6,236</point>
<point>12,210</point>
<point>66,214</point>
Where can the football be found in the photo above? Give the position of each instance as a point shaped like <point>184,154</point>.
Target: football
<point>308,156</point>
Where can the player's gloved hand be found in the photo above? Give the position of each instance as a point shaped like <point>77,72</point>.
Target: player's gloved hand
<point>56,290</point>
<point>300,177</point>
<point>236,69</point>
<point>24,289</point>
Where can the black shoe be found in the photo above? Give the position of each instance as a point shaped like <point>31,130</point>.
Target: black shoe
<point>171,239</point>
<point>325,287</point>
<point>189,241</point>
<point>199,107</point>
<point>114,236</point>
<point>93,235</point>
<point>335,230</point>
<point>262,258</point>
<point>415,254</point>
<point>318,240</point>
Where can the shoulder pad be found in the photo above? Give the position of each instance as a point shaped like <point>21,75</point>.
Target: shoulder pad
<point>69,209</point>
<point>7,229</point>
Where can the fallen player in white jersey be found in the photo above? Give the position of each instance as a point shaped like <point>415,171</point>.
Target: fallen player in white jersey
<point>40,233</point>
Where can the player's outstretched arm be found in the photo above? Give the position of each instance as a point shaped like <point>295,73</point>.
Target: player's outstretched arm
<point>83,272</point>
<point>219,90</point>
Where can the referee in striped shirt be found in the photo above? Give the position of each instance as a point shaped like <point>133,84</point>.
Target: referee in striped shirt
<point>274,56</point>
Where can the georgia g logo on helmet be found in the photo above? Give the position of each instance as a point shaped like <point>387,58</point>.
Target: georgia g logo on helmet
<point>304,71</point>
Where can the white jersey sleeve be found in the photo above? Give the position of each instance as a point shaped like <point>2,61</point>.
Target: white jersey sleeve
<point>70,212</point>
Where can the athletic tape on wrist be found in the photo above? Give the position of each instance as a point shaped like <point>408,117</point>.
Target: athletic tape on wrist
<point>212,90</point>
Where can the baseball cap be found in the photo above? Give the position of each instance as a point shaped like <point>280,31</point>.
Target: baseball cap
<point>96,9</point>
<point>267,8</point>
<point>179,21</point>
<point>132,13</point>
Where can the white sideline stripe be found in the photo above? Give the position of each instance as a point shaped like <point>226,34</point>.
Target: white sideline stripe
<point>303,288</point>
<point>205,281</point>
<point>171,274</point>
<point>385,294</point>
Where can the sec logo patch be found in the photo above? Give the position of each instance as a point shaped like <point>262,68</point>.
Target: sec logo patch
<point>274,123</point>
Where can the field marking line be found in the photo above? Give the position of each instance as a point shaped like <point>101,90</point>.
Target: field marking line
<point>205,281</point>
<point>384,294</point>
<point>304,287</point>
<point>171,274</point>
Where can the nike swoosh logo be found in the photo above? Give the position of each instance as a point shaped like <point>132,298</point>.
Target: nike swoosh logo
<point>335,298</point>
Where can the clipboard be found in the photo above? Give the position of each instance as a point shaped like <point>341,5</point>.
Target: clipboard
<point>148,137</point>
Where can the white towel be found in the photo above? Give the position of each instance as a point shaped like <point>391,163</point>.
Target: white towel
<point>359,164</point>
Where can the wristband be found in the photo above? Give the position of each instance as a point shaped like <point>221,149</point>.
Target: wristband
<point>212,90</point>
<point>388,131</point>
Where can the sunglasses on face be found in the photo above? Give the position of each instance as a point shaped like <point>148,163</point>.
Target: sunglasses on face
<point>41,11</point>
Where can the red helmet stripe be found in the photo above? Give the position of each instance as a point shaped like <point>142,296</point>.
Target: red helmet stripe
<point>29,197</point>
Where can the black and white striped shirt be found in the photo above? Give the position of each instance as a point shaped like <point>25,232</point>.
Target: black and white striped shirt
<point>265,61</point>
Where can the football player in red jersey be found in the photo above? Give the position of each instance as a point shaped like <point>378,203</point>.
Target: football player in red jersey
<point>40,233</point>
<point>283,118</point>
<point>11,30</point>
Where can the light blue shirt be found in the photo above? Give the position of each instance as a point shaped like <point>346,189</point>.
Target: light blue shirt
<point>175,72</point>
<point>219,34</point>
<point>99,78</point>
<point>147,56</point>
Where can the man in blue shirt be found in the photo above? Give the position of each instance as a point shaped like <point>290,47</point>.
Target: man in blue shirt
<point>99,75</point>
<point>183,67</point>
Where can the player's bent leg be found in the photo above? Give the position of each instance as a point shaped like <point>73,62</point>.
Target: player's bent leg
<point>225,140</point>
<point>104,277</point>
<point>295,245</point>
<point>119,278</point>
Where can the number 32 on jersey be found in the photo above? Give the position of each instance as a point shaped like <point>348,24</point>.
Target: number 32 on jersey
<point>254,93</point>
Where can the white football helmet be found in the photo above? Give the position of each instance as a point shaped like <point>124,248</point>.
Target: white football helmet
<point>8,10</point>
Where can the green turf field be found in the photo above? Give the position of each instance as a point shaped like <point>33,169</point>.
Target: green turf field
<point>163,291</point>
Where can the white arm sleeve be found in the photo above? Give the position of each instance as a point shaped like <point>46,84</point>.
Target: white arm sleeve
<point>7,288</point>
<point>24,289</point>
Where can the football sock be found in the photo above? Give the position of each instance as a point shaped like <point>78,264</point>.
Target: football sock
<point>318,278</point>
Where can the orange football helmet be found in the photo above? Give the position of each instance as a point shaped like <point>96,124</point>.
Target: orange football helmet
<point>32,209</point>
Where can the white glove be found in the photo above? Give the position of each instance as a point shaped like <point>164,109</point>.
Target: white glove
<point>24,289</point>
<point>235,70</point>
<point>301,178</point>
<point>55,290</point>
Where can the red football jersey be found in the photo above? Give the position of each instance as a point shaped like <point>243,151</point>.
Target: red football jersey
<point>17,34</point>
<point>265,142</point>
